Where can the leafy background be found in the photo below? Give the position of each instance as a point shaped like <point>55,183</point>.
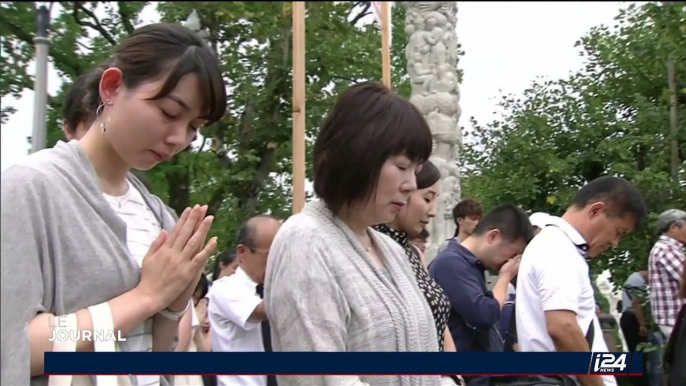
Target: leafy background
<point>611,117</point>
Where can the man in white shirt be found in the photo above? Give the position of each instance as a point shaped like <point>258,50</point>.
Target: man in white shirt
<point>556,308</point>
<point>235,309</point>
<point>539,220</point>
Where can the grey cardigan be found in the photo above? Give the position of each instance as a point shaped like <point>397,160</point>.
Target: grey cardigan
<point>322,293</point>
<point>63,247</point>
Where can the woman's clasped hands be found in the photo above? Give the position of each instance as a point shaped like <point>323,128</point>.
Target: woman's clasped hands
<point>173,265</point>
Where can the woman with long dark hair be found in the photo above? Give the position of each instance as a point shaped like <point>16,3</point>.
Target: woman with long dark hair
<point>415,216</point>
<point>225,264</point>
<point>420,209</point>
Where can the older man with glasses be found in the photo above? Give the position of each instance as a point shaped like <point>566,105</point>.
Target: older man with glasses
<point>236,310</point>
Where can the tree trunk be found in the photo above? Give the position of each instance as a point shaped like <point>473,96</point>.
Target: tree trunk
<point>178,181</point>
<point>673,119</point>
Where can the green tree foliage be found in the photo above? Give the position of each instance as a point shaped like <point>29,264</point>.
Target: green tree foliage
<point>609,118</point>
<point>243,166</point>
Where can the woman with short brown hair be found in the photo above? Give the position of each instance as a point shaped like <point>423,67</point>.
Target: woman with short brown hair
<point>333,283</point>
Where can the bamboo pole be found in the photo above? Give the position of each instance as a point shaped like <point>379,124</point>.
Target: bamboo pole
<point>298,106</point>
<point>386,43</point>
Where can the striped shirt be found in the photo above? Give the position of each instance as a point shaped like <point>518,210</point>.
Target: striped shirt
<point>142,228</point>
<point>666,264</point>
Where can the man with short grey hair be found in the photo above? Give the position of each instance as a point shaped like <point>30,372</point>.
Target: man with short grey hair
<point>235,307</point>
<point>666,264</point>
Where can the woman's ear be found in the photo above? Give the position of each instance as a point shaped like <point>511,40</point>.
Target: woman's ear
<point>110,83</point>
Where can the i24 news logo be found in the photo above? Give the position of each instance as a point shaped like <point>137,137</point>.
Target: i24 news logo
<point>608,363</point>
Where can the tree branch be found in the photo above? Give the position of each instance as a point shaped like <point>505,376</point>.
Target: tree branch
<point>249,203</point>
<point>125,16</point>
<point>17,31</point>
<point>204,142</point>
<point>86,46</point>
<point>246,121</point>
<point>350,11</point>
<point>364,12</point>
<point>216,200</point>
<point>26,37</point>
<point>78,6</point>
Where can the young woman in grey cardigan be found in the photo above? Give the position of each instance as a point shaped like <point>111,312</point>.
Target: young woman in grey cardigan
<point>333,283</point>
<point>67,246</point>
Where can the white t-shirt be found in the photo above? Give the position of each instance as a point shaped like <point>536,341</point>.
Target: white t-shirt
<point>142,228</point>
<point>553,275</point>
<point>232,299</point>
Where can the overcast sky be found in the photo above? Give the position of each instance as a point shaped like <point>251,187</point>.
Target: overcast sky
<point>507,46</point>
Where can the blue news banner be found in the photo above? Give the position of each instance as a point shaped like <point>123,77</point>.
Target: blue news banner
<point>341,363</point>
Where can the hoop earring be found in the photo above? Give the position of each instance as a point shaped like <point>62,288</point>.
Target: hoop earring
<point>98,112</point>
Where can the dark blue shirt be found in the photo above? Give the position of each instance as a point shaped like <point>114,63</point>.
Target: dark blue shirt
<point>475,312</point>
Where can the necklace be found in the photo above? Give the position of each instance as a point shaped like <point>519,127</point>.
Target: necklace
<point>367,248</point>
<point>119,201</point>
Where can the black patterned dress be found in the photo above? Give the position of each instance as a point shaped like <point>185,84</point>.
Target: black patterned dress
<point>438,301</point>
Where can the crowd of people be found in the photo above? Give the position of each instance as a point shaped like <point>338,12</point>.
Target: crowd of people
<point>651,304</point>
<point>83,236</point>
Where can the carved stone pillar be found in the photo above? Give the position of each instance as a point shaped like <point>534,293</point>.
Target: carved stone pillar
<point>432,65</point>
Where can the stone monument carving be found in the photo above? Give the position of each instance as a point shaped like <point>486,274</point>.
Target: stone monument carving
<point>431,54</point>
<point>613,295</point>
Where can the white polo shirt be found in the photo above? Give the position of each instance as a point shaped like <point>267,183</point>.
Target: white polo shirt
<point>231,301</point>
<point>553,275</point>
